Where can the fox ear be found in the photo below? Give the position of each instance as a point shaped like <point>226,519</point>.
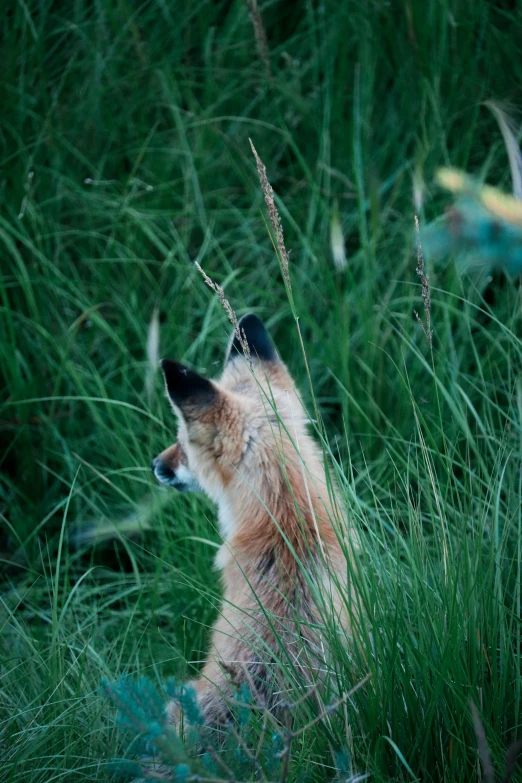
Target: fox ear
<point>258,340</point>
<point>185,387</point>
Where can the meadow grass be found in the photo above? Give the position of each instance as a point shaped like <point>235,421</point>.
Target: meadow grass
<point>125,160</point>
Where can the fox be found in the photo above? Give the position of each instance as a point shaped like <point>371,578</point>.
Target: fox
<point>243,440</point>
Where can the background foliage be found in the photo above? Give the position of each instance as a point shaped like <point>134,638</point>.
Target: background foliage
<point>125,158</point>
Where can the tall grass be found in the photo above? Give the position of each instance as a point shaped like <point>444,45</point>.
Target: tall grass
<point>125,159</point>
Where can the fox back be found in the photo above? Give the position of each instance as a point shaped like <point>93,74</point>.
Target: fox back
<point>243,440</point>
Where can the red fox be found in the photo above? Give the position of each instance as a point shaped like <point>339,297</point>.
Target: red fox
<point>243,441</point>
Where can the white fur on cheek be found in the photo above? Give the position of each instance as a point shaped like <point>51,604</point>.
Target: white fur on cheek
<point>189,481</point>
<point>184,474</point>
<point>226,517</point>
<point>222,558</point>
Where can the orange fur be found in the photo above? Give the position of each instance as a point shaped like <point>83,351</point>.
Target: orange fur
<point>248,448</point>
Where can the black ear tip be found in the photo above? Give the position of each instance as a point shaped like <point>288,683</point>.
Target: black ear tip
<point>257,337</point>
<point>250,321</point>
<point>171,369</point>
<point>183,384</point>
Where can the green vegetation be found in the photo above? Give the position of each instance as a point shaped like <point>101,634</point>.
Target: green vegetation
<point>125,159</point>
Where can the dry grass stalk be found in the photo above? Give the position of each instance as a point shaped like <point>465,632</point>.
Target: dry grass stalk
<point>514,752</point>
<point>153,341</point>
<point>507,129</point>
<point>425,282</point>
<point>482,744</point>
<point>510,764</point>
<point>260,35</point>
<point>232,317</point>
<point>337,240</point>
<point>273,214</point>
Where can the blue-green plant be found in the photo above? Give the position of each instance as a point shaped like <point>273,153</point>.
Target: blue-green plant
<point>243,748</point>
<point>483,227</point>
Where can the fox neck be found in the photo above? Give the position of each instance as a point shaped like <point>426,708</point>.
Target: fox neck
<point>283,537</point>
<point>286,509</point>
<point>240,514</point>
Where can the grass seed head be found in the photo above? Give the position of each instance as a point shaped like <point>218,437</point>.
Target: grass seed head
<point>273,214</point>
<point>425,282</point>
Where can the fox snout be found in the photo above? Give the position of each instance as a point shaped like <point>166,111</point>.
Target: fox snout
<point>170,468</point>
<point>163,472</point>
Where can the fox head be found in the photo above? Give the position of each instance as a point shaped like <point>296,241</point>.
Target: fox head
<point>234,432</point>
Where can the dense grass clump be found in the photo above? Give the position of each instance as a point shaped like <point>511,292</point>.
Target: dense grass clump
<point>125,160</point>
